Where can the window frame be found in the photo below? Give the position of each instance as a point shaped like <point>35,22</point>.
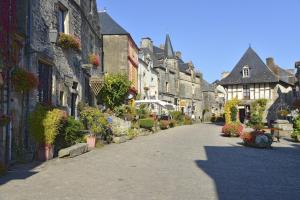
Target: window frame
<point>246,71</point>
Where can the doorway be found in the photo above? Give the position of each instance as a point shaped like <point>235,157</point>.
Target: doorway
<point>242,115</point>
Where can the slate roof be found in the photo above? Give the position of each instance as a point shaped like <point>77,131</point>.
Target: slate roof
<point>108,26</point>
<point>184,67</point>
<point>169,53</point>
<point>206,87</point>
<point>259,71</point>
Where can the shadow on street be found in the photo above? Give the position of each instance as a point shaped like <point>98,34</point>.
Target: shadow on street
<point>248,173</point>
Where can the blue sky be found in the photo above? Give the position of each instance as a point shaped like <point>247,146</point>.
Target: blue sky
<point>214,34</point>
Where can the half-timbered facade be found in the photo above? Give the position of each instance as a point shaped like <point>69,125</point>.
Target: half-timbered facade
<point>252,79</point>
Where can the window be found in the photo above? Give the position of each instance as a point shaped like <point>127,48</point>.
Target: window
<point>167,87</point>
<point>90,6</point>
<point>45,83</point>
<point>246,72</point>
<point>61,98</point>
<point>63,20</point>
<point>92,44</point>
<point>246,92</point>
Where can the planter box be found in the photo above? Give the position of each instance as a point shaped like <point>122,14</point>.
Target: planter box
<point>91,141</point>
<point>45,152</point>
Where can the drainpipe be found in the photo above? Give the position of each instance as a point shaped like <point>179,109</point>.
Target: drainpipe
<point>29,62</point>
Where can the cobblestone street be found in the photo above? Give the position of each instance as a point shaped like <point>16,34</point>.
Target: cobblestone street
<point>189,162</point>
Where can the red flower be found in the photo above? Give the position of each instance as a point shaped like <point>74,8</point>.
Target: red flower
<point>94,59</point>
<point>24,81</point>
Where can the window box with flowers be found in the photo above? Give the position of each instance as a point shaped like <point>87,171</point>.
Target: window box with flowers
<point>67,41</point>
<point>94,60</point>
<point>4,120</point>
<point>24,81</point>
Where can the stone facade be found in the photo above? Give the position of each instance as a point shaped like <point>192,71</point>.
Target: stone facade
<point>120,50</point>
<point>178,82</point>
<point>147,75</point>
<point>63,74</point>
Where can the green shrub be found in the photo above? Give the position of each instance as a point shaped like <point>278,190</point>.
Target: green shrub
<point>164,124</point>
<point>147,123</point>
<point>187,120</point>
<point>132,133</point>
<point>173,123</point>
<point>233,113</point>
<point>36,126</point>
<point>143,112</point>
<point>177,115</point>
<point>94,120</point>
<point>72,133</point>
<point>296,125</point>
<point>52,124</point>
<point>2,169</point>
<point>258,108</point>
<point>119,111</point>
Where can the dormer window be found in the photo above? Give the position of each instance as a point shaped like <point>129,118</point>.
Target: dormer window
<point>246,72</point>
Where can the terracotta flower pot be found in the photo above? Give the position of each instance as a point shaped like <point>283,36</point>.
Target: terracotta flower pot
<point>91,141</point>
<point>45,152</point>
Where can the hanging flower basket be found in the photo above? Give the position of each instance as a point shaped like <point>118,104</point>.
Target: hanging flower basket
<point>4,120</point>
<point>24,81</point>
<point>66,41</point>
<point>94,60</point>
<point>96,83</point>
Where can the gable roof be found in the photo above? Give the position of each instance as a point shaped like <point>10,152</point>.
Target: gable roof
<point>259,71</point>
<point>109,26</point>
<point>206,87</point>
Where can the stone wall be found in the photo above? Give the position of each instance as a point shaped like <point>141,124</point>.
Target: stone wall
<point>115,49</point>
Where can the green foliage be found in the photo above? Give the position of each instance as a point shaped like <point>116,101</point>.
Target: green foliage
<point>132,133</point>
<point>233,113</point>
<point>147,123</point>
<point>177,115</point>
<point>296,125</point>
<point>164,124</point>
<point>120,111</point>
<point>2,169</point>
<point>258,108</point>
<point>114,91</point>
<point>72,132</point>
<point>44,124</point>
<point>187,120</point>
<point>227,109</point>
<point>94,120</point>
<point>36,126</point>
<point>173,123</point>
<point>52,124</point>
<point>143,111</point>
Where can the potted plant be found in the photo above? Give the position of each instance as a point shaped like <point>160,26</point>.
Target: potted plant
<point>44,125</point>
<point>94,60</point>
<point>95,122</point>
<point>67,41</point>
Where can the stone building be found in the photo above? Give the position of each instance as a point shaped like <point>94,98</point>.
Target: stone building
<point>147,75</point>
<point>252,79</point>
<point>64,74</point>
<point>190,90</point>
<point>178,81</point>
<point>120,52</point>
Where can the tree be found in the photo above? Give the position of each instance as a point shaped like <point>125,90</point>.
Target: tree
<point>114,91</point>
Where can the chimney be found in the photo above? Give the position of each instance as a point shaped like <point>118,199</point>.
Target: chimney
<point>178,55</point>
<point>224,75</point>
<point>270,62</point>
<point>147,43</point>
<point>297,64</point>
